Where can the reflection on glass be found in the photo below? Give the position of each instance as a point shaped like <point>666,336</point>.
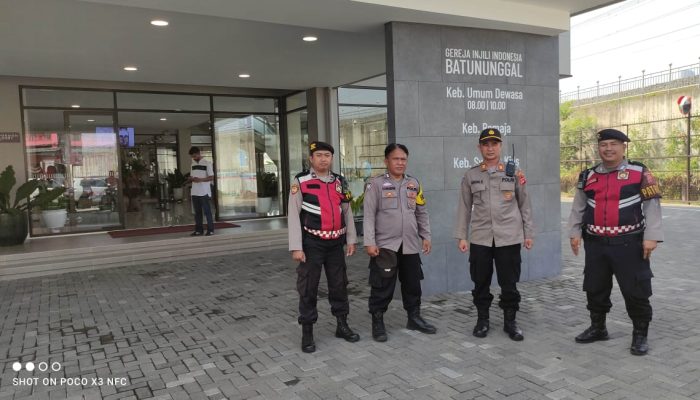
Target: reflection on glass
<point>363,137</point>
<point>46,97</point>
<point>248,166</point>
<point>245,104</point>
<point>155,101</point>
<point>296,101</point>
<point>64,151</point>
<point>362,96</point>
<point>298,139</point>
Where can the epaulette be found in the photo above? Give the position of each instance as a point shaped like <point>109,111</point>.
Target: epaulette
<point>302,173</point>
<point>637,163</point>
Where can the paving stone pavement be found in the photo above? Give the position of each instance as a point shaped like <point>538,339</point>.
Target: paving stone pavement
<point>225,327</point>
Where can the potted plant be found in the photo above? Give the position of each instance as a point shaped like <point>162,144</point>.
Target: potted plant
<point>267,189</point>
<point>54,212</point>
<point>176,181</point>
<point>356,206</point>
<point>13,214</point>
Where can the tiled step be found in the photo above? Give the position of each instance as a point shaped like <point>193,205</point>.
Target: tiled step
<point>30,264</point>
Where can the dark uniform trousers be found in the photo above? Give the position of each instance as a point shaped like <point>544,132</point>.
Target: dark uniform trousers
<point>621,256</point>
<point>408,271</point>
<point>481,260</point>
<point>322,253</point>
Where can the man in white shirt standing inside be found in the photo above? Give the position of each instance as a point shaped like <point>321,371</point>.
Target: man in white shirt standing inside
<point>201,176</point>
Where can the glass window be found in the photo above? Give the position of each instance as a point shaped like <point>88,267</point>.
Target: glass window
<point>248,166</point>
<point>68,98</point>
<point>78,151</point>
<point>363,137</point>
<point>245,104</point>
<point>362,96</point>
<point>171,102</point>
<point>298,139</point>
<point>296,101</point>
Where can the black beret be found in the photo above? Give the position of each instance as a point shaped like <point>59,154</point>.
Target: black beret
<point>490,134</point>
<point>607,134</point>
<point>313,146</point>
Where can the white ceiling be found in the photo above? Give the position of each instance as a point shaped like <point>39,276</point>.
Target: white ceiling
<point>210,42</point>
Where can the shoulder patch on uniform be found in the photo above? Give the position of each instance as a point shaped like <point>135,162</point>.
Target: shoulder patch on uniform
<point>521,177</point>
<point>295,188</point>
<point>649,188</point>
<point>420,197</point>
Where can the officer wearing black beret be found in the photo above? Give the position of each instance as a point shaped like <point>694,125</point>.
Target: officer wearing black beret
<point>617,212</point>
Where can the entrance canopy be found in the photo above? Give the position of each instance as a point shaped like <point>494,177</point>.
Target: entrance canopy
<point>212,42</point>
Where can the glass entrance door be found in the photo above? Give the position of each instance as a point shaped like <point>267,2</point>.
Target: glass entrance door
<point>154,150</point>
<point>91,171</point>
<point>248,166</point>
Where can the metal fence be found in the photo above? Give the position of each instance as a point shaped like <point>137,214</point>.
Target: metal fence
<point>671,78</point>
<point>661,145</point>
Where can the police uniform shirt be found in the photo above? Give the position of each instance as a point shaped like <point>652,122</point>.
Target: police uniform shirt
<point>651,209</point>
<point>395,214</point>
<point>201,169</point>
<point>294,221</point>
<point>493,208</point>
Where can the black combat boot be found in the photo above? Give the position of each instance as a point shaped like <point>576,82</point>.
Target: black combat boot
<point>307,338</point>
<point>344,331</point>
<point>597,330</point>
<point>417,323</point>
<point>510,327</point>
<point>482,326</point>
<point>378,329</point>
<point>639,338</point>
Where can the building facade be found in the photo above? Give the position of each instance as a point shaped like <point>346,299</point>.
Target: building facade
<point>108,106</point>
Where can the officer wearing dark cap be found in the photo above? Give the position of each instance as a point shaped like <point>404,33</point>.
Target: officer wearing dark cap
<point>396,232</point>
<point>617,212</point>
<point>320,223</point>
<point>494,214</point>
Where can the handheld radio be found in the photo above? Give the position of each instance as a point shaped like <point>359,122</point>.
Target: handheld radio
<point>510,165</point>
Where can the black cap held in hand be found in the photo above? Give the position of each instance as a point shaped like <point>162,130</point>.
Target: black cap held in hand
<point>607,134</point>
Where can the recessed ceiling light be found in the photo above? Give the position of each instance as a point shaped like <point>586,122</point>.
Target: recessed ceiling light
<point>244,75</point>
<point>309,38</point>
<point>76,106</point>
<point>163,119</point>
<point>131,68</point>
<point>91,120</point>
<point>160,22</point>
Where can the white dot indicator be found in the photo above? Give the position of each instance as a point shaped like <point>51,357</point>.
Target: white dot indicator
<point>30,366</point>
<point>17,367</point>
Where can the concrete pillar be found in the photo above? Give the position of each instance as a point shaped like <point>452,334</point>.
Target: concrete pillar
<point>438,102</point>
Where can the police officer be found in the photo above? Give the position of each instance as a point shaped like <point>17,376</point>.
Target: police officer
<point>320,223</point>
<point>617,211</point>
<point>494,214</point>
<point>396,231</point>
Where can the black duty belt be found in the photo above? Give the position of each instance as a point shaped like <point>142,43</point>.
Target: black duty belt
<point>614,240</point>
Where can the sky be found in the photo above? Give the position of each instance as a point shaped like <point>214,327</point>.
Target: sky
<point>631,36</point>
